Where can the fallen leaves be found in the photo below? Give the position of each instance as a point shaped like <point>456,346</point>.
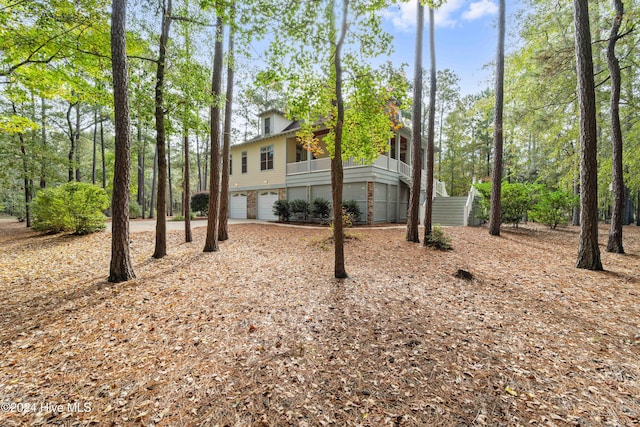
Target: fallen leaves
<point>260,334</point>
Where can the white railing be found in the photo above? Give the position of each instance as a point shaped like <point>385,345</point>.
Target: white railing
<point>298,167</point>
<point>469,205</point>
<point>322,164</point>
<point>404,169</point>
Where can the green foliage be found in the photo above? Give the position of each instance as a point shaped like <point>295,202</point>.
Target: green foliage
<point>181,217</point>
<point>300,208</point>
<point>135,210</point>
<point>516,200</point>
<point>352,208</point>
<point>282,209</point>
<point>554,207</point>
<point>75,206</point>
<point>321,208</point>
<point>439,239</point>
<point>200,203</point>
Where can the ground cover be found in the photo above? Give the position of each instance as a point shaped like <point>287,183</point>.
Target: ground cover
<point>260,334</point>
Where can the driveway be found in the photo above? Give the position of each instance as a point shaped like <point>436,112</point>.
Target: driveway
<point>141,225</point>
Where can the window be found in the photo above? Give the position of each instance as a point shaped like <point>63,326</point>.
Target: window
<point>266,158</point>
<point>244,162</point>
<point>230,164</point>
<point>267,125</point>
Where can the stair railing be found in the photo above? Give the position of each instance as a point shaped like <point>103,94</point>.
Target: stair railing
<point>468,207</point>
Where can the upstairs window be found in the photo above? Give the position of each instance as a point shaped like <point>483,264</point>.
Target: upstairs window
<point>267,125</point>
<point>266,158</point>
<point>244,162</point>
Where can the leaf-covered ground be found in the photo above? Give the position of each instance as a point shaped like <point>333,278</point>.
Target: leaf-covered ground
<point>259,334</point>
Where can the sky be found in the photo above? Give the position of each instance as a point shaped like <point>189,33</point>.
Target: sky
<point>465,35</point>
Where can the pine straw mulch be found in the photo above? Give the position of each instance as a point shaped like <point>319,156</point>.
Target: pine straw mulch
<point>259,334</point>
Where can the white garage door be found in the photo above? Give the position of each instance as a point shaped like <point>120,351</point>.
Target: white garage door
<point>266,199</point>
<point>238,206</point>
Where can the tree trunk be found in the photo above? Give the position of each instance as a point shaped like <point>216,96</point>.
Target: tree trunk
<point>575,220</point>
<point>588,250</point>
<point>94,157</point>
<point>198,162</point>
<point>140,169</point>
<point>121,268</point>
<point>186,207</point>
<point>223,226</point>
<point>161,206</point>
<point>154,183</point>
<point>496,178</point>
<point>77,147</point>
<point>615,231</point>
<point>337,173</point>
<point>431,131</point>
<point>72,141</point>
<point>211,243</point>
<point>413,216</point>
<point>170,204</point>
<point>43,169</point>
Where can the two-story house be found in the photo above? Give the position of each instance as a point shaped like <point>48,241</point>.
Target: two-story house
<point>274,165</point>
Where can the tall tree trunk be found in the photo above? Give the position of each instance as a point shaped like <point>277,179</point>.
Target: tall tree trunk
<point>431,131</point>
<point>223,227</point>
<point>104,160</point>
<point>94,157</point>
<point>588,250</point>
<point>170,205</point>
<point>575,220</point>
<point>154,183</point>
<point>207,157</point>
<point>198,162</point>
<point>413,216</point>
<point>496,178</point>
<point>211,243</point>
<point>28,182</point>
<point>43,169</point>
<point>615,231</point>
<point>77,137</point>
<point>161,206</point>
<point>337,173</point>
<point>186,198</point>
<point>140,169</point>
<point>121,268</point>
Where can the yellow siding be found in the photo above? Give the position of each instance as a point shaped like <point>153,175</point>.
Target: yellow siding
<point>254,176</point>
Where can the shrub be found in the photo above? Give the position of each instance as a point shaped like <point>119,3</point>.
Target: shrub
<point>438,239</point>
<point>300,208</point>
<point>200,203</point>
<point>554,207</point>
<point>351,207</point>
<point>282,209</point>
<point>135,210</point>
<point>75,206</point>
<point>321,208</point>
<point>515,200</point>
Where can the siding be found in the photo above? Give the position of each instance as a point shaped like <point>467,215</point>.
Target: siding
<point>255,178</point>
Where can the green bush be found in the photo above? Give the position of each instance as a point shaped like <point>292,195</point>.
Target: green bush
<point>200,203</point>
<point>75,206</point>
<point>515,201</point>
<point>554,207</point>
<point>300,208</point>
<point>135,210</point>
<point>438,239</point>
<point>321,208</point>
<point>351,207</point>
<point>282,209</point>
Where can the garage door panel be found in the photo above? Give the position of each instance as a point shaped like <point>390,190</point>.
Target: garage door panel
<point>266,199</point>
<point>238,206</point>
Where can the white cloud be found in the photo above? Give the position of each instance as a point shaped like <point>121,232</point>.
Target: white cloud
<point>404,17</point>
<point>479,9</point>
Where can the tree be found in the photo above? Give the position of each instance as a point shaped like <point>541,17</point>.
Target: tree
<point>614,243</point>
<point>413,216</point>
<point>161,197</point>
<point>496,178</point>
<point>588,250</point>
<point>211,242</point>
<point>223,229</point>
<point>430,132</point>
<point>121,268</point>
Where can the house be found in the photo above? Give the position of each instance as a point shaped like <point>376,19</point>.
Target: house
<point>274,165</point>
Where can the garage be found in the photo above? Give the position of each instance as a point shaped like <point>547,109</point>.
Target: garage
<point>266,199</point>
<point>238,206</point>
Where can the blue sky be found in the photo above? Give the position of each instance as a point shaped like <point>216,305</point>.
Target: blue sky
<point>465,34</point>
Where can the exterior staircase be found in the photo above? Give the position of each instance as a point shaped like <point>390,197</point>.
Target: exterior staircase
<point>448,211</point>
